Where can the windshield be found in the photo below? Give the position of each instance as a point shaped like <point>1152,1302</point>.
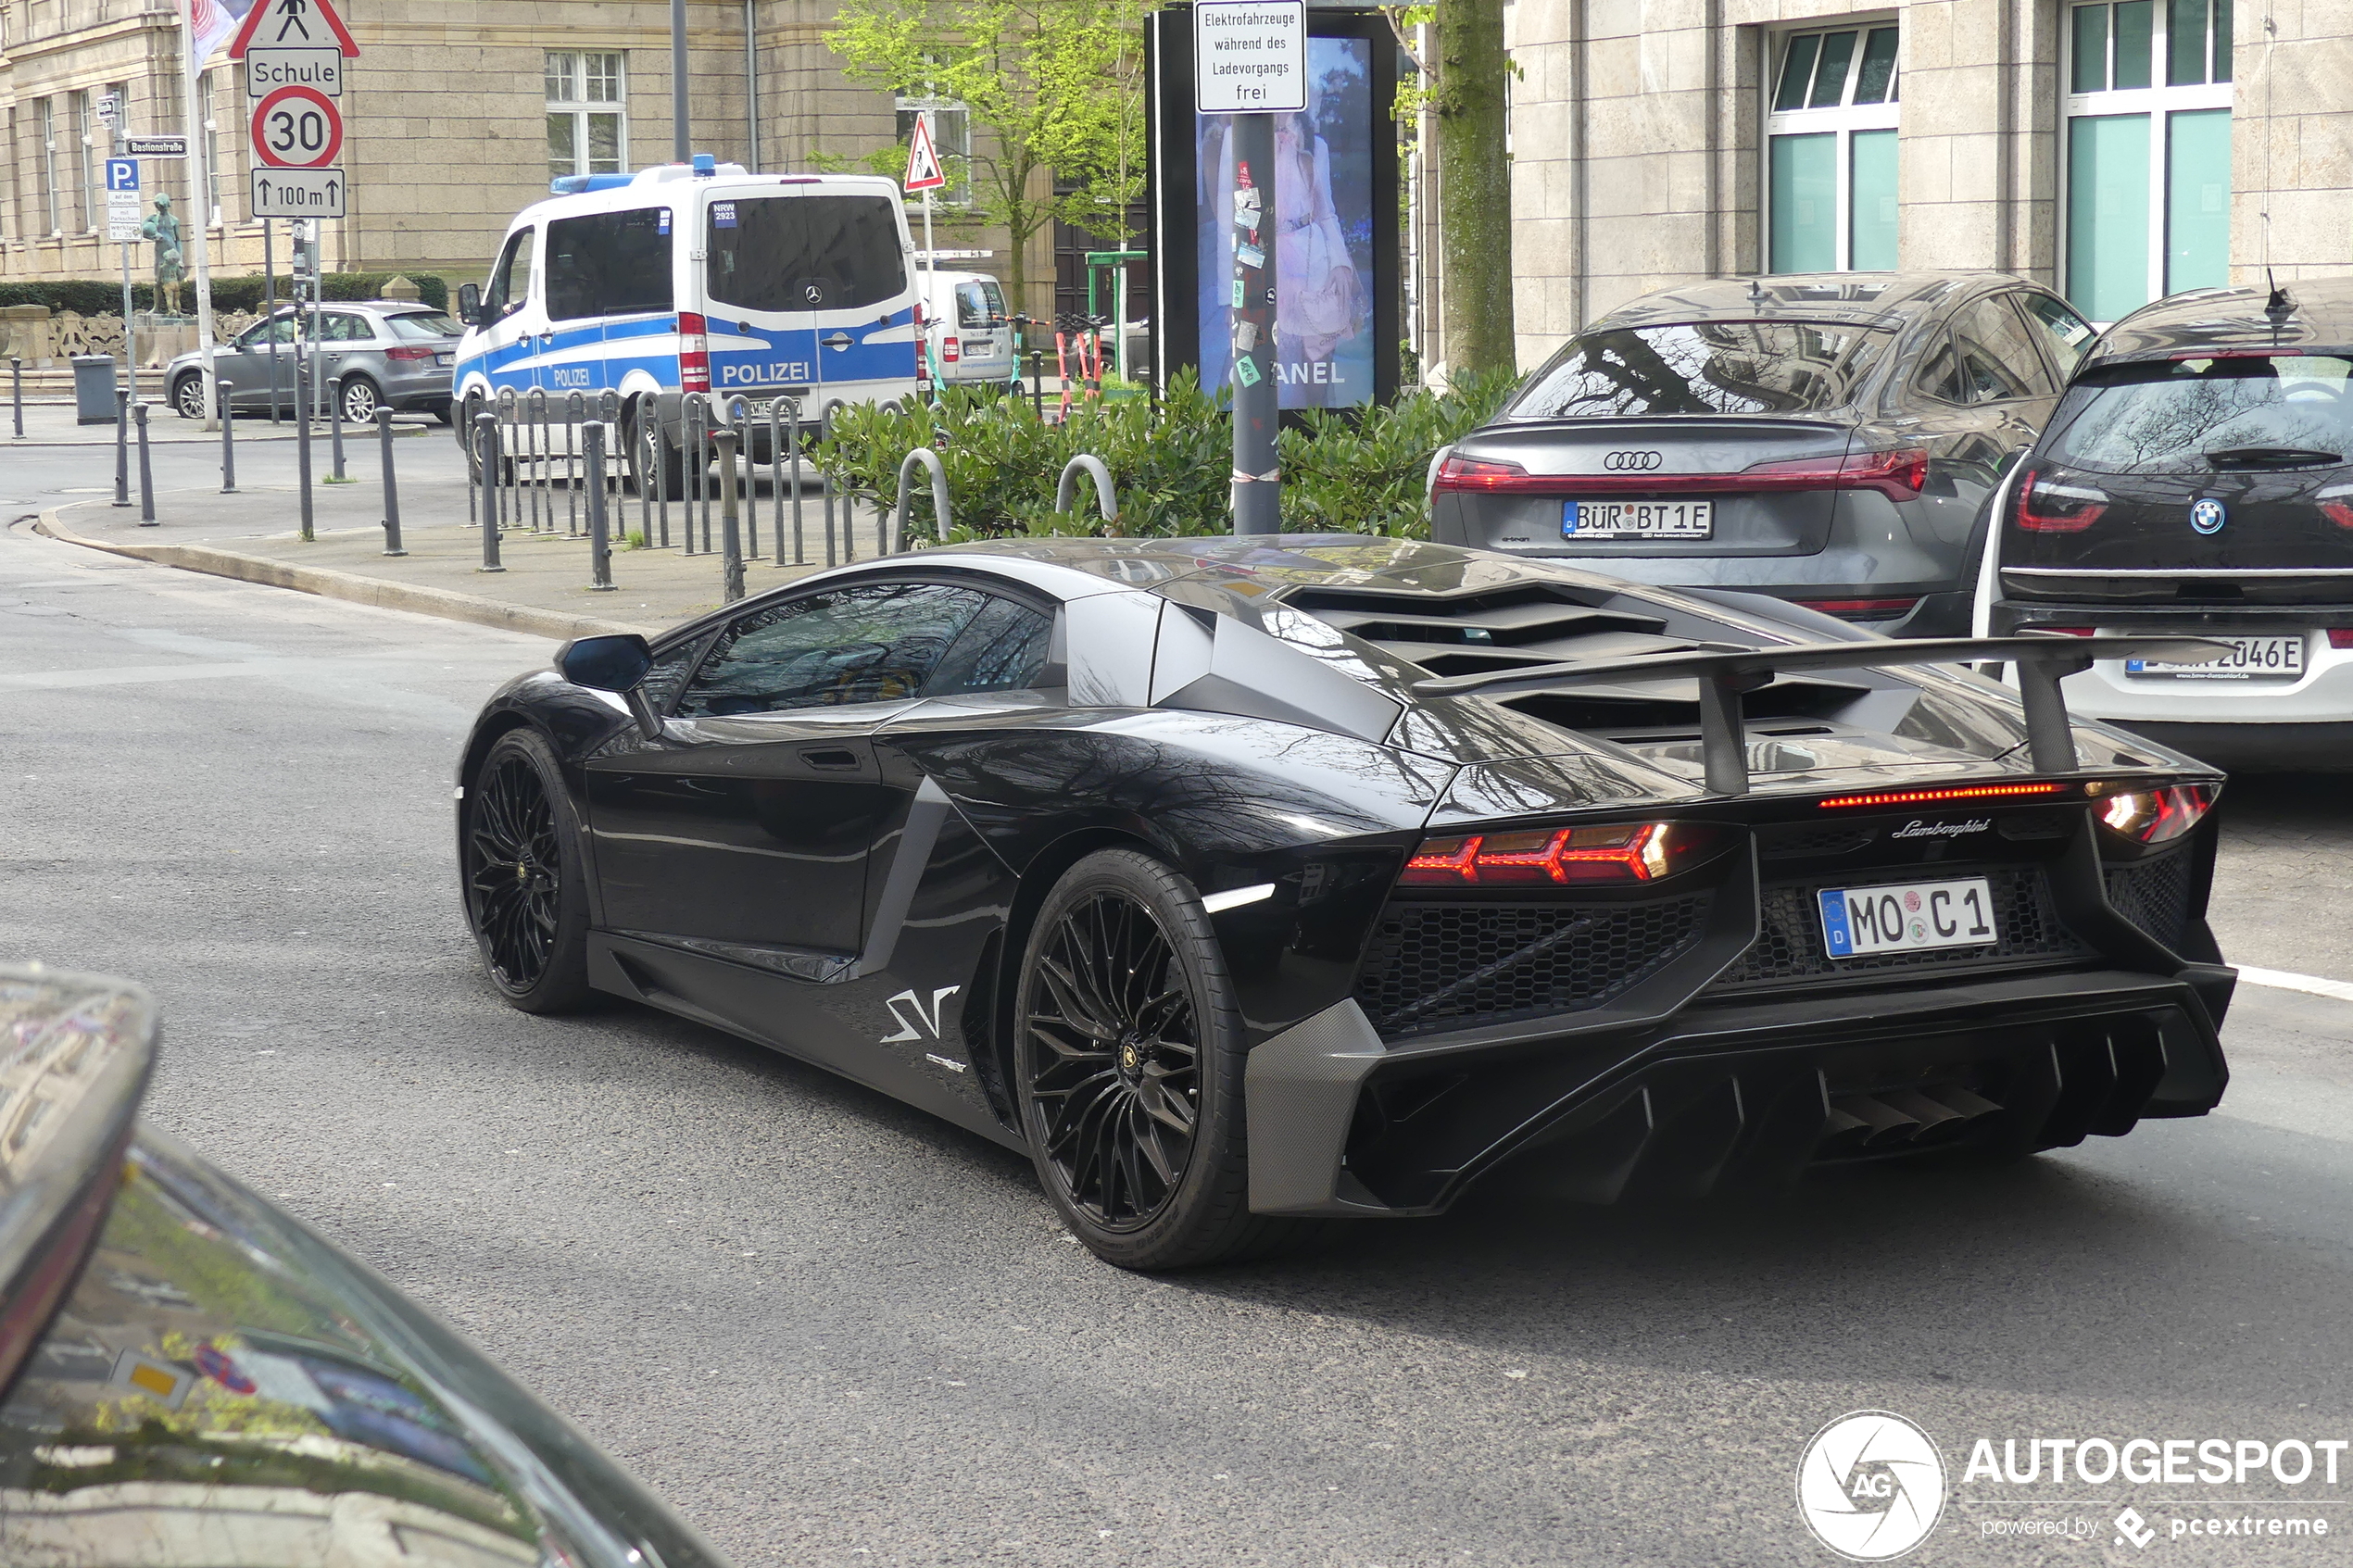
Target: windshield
<point>423,326</point>
<point>2192,415</point>
<point>1704,368</point>
<point>805,252</point>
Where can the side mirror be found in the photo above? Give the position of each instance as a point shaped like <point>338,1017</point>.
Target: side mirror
<point>469,304</point>
<point>616,664</point>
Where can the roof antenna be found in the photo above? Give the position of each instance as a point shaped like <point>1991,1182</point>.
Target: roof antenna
<point>2277,309</point>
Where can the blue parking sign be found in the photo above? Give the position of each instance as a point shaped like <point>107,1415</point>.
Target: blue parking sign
<point>123,174</point>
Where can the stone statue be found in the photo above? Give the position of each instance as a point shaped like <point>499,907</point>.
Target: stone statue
<point>170,266</point>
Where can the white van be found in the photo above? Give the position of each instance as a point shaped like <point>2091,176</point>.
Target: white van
<point>972,336</point>
<point>697,279</point>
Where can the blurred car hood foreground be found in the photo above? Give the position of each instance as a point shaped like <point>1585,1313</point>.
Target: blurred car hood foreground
<point>192,1377</point>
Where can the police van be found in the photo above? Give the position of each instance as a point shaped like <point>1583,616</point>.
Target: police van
<point>697,278</point>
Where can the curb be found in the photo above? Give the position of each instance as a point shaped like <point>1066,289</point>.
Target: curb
<point>327,584</point>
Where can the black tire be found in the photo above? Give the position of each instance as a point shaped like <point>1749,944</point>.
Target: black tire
<point>442,412</point>
<point>666,475</point>
<point>187,397</point>
<point>358,398</point>
<point>1129,1059</point>
<point>525,881</point>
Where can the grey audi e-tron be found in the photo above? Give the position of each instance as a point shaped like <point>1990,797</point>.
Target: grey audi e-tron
<point>1830,438</point>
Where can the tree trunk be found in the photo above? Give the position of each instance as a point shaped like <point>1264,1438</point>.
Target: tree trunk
<point>1474,186</point>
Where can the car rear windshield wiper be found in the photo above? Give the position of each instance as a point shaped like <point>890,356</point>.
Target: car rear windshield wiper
<point>2273,458</point>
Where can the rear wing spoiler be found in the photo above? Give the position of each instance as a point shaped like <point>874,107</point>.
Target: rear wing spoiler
<point>1724,673</point>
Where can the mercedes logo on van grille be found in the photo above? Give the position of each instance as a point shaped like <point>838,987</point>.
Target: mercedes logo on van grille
<point>1631,462</point>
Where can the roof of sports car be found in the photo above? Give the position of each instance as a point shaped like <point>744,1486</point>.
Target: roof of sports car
<point>1254,567</point>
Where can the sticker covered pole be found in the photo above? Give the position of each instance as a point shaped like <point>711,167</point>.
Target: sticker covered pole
<point>1257,474</point>
<point>1249,63</point>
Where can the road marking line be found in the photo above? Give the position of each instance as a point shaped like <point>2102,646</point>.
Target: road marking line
<point>2286,980</point>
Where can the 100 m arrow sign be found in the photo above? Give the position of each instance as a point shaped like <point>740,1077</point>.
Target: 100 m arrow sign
<point>297,193</point>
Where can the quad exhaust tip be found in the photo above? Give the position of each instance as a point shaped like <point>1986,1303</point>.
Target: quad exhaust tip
<point>1902,1118</point>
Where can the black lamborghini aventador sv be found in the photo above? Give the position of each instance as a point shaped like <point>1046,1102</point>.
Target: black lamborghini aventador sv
<point>1244,883</point>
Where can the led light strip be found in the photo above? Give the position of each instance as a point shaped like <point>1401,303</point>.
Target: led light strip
<point>1924,797</point>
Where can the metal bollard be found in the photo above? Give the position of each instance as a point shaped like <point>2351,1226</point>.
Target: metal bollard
<point>16,375</point>
<point>121,447</point>
<point>592,444</point>
<point>146,472</point>
<point>228,440</point>
<point>302,446</point>
<point>826,488</point>
<point>392,485</point>
<point>779,456</point>
<point>731,538</point>
<point>487,449</point>
<point>338,477</point>
<point>576,416</point>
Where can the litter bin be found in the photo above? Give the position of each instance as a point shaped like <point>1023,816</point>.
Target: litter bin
<point>93,383</point>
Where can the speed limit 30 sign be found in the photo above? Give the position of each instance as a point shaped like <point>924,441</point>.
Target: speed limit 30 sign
<point>297,127</point>
<point>293,52</point>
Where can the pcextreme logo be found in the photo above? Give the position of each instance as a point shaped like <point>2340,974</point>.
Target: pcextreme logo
<point>1870,1486</point>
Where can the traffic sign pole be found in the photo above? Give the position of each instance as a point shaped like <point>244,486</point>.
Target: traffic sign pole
<point>199,204</point>
<point>924,174</point>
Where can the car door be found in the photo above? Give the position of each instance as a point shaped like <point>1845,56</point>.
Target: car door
<point>260,354</point>
<point>512,319</point>
<point>750,824</point>
<point>343,338</point>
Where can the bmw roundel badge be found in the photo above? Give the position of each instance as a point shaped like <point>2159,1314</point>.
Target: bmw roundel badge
<point>2207,515</point>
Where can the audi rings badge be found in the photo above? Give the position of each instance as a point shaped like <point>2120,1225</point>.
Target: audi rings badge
<point>1631,462</point>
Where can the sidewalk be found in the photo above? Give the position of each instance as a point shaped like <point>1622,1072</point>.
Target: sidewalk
<point>544,589</point>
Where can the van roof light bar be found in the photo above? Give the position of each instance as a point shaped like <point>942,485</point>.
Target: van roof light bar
<point>1724,673</point>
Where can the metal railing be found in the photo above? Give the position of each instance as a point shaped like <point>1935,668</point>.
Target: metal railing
<point>560,463</point>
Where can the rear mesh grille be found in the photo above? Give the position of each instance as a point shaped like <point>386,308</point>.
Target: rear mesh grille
<point>1790,947</point>
<point>2155,896</point>
<point>1456,966</point>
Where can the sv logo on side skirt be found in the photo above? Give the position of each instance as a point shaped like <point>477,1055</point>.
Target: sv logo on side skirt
<point>915,1022</point>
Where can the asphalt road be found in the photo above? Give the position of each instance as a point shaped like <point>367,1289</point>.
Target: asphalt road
<point>834,1331</point>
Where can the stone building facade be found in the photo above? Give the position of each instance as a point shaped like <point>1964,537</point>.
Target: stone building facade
<point>2117,149</point>
<point>457,112</point>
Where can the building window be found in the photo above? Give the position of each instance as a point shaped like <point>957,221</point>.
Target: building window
<point>1830,152</point>
<point>85,148</point>
<point>952,138</point>
<point>52,221</point>
<point>587,124</point>
<point>2148,151</point>
<point>210,121</point>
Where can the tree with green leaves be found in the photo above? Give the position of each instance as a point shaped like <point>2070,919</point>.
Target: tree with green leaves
<point>1462,88</point>
<point>1055,94</point>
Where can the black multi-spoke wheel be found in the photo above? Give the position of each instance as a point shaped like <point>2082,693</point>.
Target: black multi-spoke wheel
<point>1115,1059</point>
<point>522,875</point>
<point>1130,1070</point>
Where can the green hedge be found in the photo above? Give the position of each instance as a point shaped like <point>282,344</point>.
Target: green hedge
<point>1171,462</point>
<point>88,299</point>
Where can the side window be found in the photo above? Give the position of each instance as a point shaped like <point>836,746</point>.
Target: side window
<point>2069,335</point>
<point>263,334</point>
<point>511,280</point>
<point>1940,372</point>
<point>608,264</point>
<point>872,643</point>
<point>1999,361</point>
<point>345,326</point>
<point>1002,650</point>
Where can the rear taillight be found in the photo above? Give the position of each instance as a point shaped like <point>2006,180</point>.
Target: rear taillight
<point>694,353</point>
<point>2338,510</point>
<point>2065,630</point>
<point>950,350</point>
<point>408,351</point>
<point>2055,509</point>
<point>1480,474</point>
<point>1862,609</point>
<point>1900,473</point>
<point>2341,636</point>
<point>1621,852</point>
<point>2155,816</point>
